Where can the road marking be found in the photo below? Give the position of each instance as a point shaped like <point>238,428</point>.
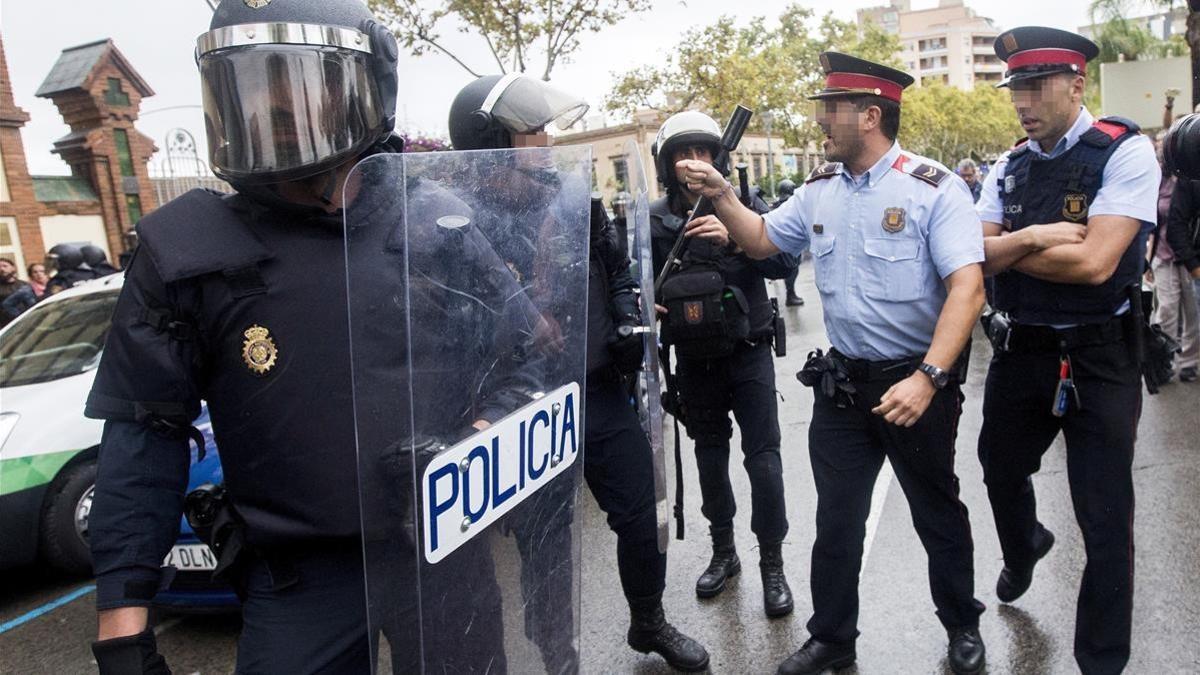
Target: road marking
<point>878,497</point>
<point>48,607</point>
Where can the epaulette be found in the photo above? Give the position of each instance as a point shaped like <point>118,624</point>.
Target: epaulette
<point>1108,130</point>
<point>826,170</point>
<point>928,173</point>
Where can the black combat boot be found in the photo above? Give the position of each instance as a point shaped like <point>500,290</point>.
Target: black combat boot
<point>777,595</point>
<point>724,564</point>
<point>650,632</point>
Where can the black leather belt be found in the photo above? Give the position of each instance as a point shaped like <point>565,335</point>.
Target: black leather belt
<point>1026,338</point>
<point>862,370</point>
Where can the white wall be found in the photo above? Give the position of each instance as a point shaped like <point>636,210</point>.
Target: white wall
<point>74,230</point>
<point>1136,89</point>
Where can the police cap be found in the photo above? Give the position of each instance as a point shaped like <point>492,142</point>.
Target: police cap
<point>847,75</point>
<point>1037,51</point>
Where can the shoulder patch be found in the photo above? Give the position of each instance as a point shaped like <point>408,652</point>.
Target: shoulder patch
<point>1109,130</point>
<point>929,173</point>
<point>826,170</point>
<point>1116,126</point>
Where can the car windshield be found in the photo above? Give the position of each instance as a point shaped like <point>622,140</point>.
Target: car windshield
<point>57,339</point>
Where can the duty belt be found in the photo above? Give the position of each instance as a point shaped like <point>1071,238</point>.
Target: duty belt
<point>862,370</point>
<point>1026,338</point>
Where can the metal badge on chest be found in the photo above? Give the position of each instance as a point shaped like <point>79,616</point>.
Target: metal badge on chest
<point>893,219</point>
<point>259,351</point>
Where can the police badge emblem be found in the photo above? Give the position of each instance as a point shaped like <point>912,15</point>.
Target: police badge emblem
<point>893,219</point>
<point>259,351</point>
<point>256,4</point>
<point>1010,184</point>
<point>1075,206</point>
<point>693,312</point>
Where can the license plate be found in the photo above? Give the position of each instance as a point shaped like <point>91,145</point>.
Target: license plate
<point>191,557</point>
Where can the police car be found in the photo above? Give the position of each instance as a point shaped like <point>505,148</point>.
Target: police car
<point>48,449</point>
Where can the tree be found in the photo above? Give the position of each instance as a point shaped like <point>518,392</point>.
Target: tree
<point>718,66</point>
<point>949,124</point>
<point>515,31</point>
<point>1116,11</point>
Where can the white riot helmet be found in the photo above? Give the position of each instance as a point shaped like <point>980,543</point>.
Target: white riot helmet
<point>690,127</point>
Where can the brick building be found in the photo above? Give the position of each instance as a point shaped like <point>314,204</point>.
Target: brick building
<point>98,94</point>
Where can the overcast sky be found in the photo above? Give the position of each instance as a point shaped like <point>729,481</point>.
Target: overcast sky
<point>158,38</point>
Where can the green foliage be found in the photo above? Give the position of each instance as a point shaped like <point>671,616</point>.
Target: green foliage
<point>948,124</point>
<point>514,30</point>
<point>720,65</point>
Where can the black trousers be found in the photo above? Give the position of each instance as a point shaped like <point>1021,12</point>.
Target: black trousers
<point>1017,430</point>
<point>847,447</point>
<point>742,383</point>
<point>304,612</point>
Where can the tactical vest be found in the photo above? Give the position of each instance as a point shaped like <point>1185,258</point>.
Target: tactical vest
<point>714,300</point>
<point>1036,190</point>
<point>283,417</point>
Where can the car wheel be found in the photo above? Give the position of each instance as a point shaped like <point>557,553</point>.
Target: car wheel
<point>65,519</point>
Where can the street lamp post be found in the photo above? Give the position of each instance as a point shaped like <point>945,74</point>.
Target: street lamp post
<point>767,119</point>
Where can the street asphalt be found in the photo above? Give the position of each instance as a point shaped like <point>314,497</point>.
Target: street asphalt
<point>900,633</point>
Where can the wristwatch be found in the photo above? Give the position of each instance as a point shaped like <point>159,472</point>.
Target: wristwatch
<point>939,377</point>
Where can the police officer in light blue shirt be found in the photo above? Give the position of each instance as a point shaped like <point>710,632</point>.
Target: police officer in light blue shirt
<point>897,249</point>
<point>1065,217</point>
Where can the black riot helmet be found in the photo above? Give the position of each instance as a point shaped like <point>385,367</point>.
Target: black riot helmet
<point>93,255</point>
<point>689,127</point>
<point>64,257</point>
<point>293,88</point>
<point>785,189</point>
<point>1181,147</point>
<point>487,112</point>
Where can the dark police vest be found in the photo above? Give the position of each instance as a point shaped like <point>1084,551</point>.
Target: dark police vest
<point>1037,191</point>
<point>746,284</point>
<point>241,274</point>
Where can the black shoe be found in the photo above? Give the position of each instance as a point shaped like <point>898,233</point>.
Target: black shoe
<point>777,595</point>
<point>816,657</point>
<point>724,564</point>
<point>650,632</point>
<point>1012,584</point>
<point>966,652</point>
<point>1188,374</point>
<point>794,300</point>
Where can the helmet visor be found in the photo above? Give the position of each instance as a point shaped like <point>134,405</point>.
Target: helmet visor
<point>280,112</point>
<point>525,105</point>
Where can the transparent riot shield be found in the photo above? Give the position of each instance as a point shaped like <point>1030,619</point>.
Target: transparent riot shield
<point>637,213</point>
<point>467,285</point>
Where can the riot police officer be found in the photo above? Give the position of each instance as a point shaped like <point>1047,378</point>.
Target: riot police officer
<point>70,268</point>
<point>96,260</point>
<point>1066,214</point>
<point>785,190</point>
<point>218,304</point>
<point>513,111</point>
<point>721,372</point>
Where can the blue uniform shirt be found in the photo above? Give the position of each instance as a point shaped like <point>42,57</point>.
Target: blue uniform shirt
<point>882,244</point>
<point>1129,186</point>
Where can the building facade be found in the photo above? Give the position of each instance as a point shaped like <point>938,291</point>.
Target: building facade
<point>949,43</point>
<point>98,94</point>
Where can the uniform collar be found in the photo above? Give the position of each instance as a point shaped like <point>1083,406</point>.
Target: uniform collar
<point>878,170</point>
<point>1068,141</point>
